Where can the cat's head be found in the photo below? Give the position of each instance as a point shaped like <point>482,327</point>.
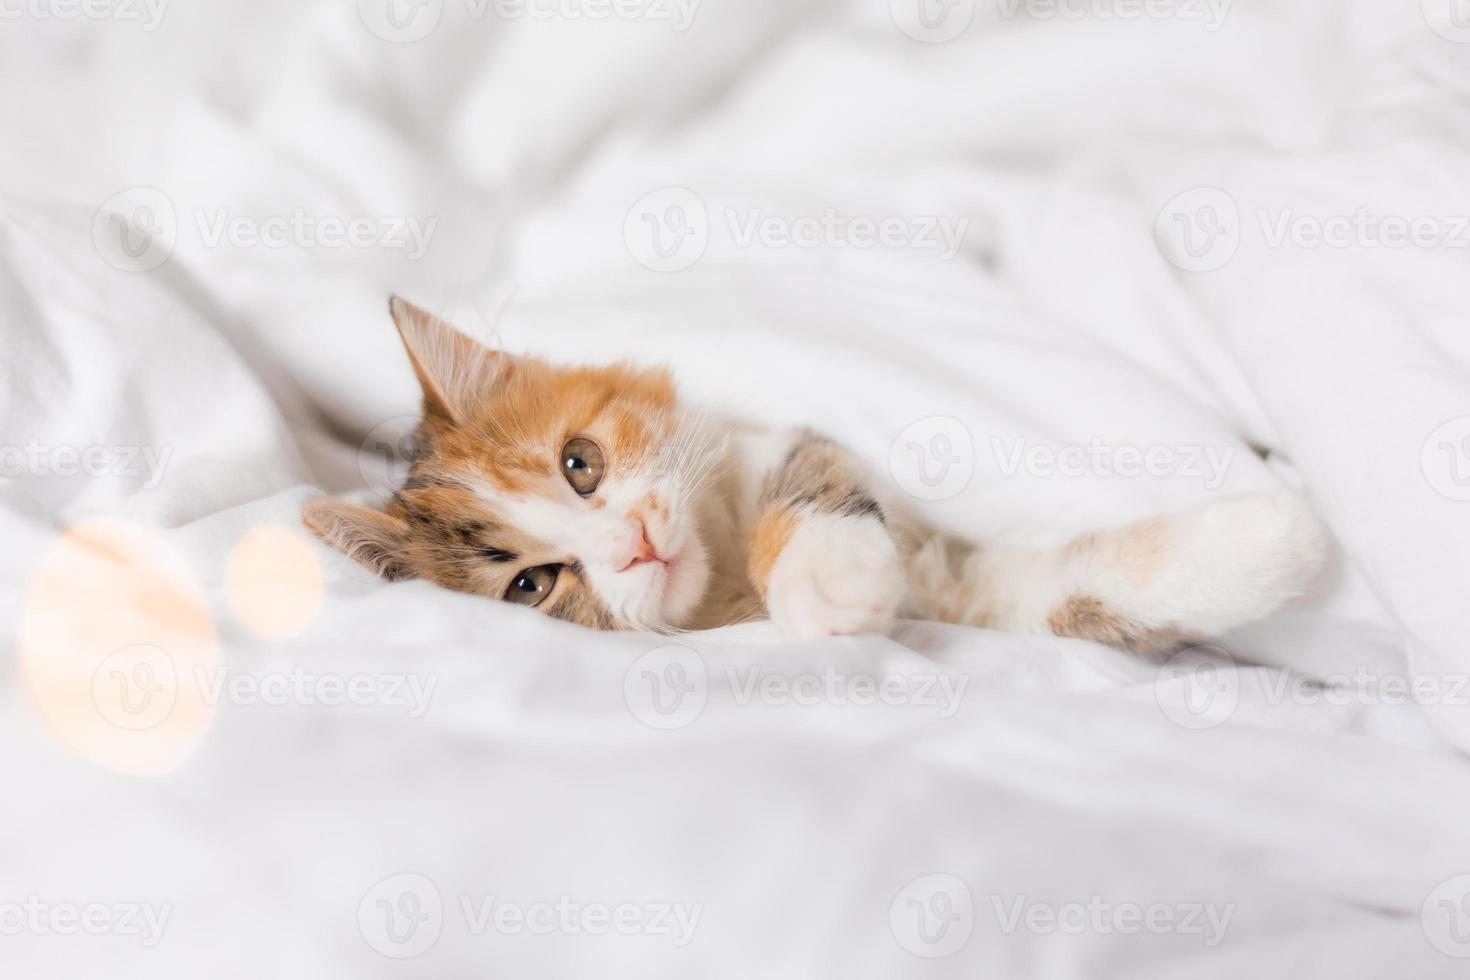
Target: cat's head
<point>566,489</point>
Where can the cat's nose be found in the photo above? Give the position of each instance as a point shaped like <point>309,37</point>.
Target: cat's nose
<point>638,550</point>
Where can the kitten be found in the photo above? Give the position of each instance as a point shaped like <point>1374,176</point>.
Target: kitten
<point>588,494</point>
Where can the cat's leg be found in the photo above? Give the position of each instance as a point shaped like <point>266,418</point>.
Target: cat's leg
<point>821,553</point>
<point>1157,583</point>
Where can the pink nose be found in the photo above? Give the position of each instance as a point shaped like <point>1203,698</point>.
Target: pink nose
<point>639,549</point>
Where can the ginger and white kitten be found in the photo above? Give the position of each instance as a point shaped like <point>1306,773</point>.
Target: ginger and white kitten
<point>587,493</point>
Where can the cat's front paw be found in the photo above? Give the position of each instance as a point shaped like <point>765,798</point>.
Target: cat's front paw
<point>836,576</point>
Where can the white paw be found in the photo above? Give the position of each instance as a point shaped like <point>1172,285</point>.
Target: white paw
<point>837,576</point>
<point>1248,554</point>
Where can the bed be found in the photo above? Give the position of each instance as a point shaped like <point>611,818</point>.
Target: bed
<point>1046,266</point>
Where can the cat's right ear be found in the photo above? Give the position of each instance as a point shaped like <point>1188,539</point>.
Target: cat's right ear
<point>455,372</point>
<point>373,539</point>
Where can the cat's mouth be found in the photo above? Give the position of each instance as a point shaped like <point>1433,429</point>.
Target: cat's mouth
<point>650,559</point>
<point>666,563</point>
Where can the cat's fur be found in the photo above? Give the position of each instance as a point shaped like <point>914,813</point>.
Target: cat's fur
<point>695,526</point>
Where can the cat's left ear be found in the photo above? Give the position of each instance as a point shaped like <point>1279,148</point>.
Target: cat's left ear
<point>455,372</point>
<point>375,540</point>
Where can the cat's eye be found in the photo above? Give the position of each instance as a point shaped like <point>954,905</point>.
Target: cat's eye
<point>533,585</point>
<point>582,465</point>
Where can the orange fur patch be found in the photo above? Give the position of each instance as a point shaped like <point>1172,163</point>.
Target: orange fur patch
<point>767,541</point>
<point>514,436</point>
